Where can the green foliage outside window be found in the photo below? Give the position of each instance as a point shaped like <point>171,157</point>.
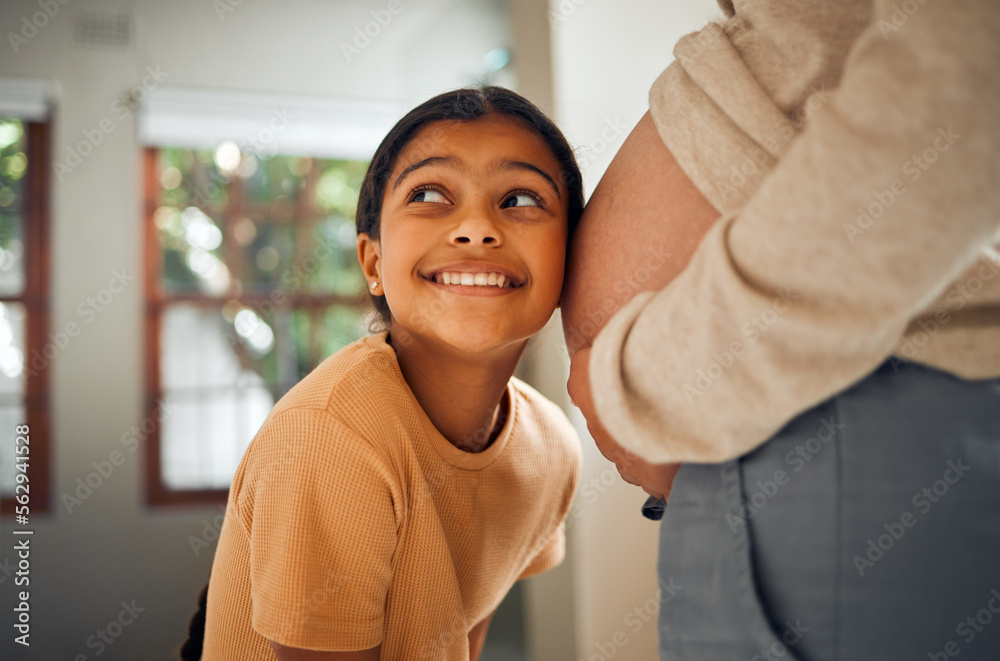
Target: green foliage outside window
<point>266,248</point>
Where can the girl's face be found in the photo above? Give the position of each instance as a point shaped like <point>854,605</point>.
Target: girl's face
<point>473,236</point>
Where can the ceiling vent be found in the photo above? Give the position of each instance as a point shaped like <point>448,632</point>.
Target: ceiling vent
<point>103,31</point>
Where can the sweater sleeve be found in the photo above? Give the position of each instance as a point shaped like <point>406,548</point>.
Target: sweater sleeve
<point>882,201</point>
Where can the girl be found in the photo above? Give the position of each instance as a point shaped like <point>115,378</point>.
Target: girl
<point>394,495</point>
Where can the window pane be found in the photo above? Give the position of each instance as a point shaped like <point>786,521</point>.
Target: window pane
<point>283,223</point>
<point>339,326</point>
<point>205,434</point>
<point>262,262</point>
<point>12,411</point>
<point>13,165</point>
<point>338,185</point>
<point>192,250</point>
<point>222,372</point>
<point>198,350</point>
<point>275,183</point>
<point>12,414</point>
<point>331,264</point>
<point>215,400</point>
<point>190,178</point>
<point>12,361</point>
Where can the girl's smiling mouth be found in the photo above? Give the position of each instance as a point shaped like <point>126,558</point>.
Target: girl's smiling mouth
<point>475,278</point>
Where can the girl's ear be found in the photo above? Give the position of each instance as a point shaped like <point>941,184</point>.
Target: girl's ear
<point>370,258</point>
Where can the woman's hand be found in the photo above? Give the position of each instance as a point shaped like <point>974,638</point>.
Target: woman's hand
<point>654,479</point>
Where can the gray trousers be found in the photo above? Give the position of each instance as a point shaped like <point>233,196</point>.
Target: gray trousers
<point>867,528</point>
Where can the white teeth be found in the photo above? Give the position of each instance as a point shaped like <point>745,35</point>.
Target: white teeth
<point>472,279</point>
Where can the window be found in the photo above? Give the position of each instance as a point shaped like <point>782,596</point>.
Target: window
<point>27,348</point>
<point>251,280</point>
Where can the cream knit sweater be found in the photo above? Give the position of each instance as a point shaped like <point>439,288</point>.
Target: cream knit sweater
<point>853,149</point>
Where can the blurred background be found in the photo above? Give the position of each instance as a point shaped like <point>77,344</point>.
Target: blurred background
<point>177,190</point>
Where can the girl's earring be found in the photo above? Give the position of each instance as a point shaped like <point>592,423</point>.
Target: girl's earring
<point>374,285</point>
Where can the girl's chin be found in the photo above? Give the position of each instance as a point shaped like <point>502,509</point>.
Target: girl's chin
<point>467,340</point>
<point>469,343</point>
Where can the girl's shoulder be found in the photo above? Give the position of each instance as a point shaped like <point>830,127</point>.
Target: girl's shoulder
<point>357,389</point>
<point>360,371</point>
<point>335,416</point>
<point>542,421</point>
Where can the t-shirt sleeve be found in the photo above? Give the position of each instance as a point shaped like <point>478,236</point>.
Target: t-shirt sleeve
<point>550,556</point>
<point>318,507</point>
<point>550,550</point>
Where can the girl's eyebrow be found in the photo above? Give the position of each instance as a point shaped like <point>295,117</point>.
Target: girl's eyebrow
<point>507,166</point>
<point>504,166</point>
<point>433,160</point>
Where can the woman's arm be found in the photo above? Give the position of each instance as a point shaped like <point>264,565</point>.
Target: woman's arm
<point>297,654</point>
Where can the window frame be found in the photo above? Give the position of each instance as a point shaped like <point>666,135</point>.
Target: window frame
<point>36,299</point>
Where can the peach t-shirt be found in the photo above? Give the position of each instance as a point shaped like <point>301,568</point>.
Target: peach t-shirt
<point>353,522</point>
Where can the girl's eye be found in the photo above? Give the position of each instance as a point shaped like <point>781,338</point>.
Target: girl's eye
<point>429,195</point>
<point>520,200</point>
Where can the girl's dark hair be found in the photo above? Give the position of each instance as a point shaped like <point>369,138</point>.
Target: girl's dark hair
<point>191,649</point>
<point>466,104</point>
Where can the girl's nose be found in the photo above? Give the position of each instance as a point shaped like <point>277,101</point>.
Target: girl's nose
<point>477,229</point>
